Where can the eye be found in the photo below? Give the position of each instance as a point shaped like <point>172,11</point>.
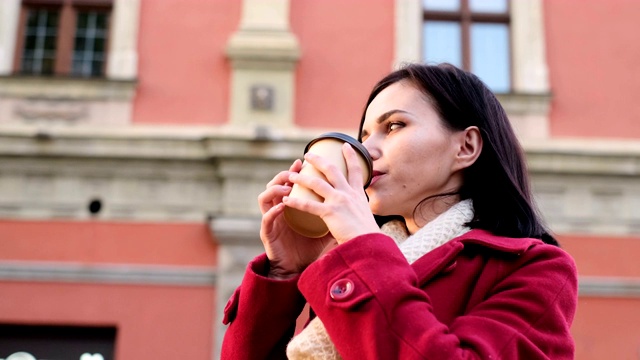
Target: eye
<point>394,126</point>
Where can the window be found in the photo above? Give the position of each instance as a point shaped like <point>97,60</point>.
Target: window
<point>63,37</point>
<point>472,34</point>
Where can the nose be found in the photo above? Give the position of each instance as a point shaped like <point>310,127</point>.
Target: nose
<point>372,148</point>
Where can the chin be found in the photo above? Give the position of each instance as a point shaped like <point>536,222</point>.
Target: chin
<point>374,207</point>
<point>379,209</point>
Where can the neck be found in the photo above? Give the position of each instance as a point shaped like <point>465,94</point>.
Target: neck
<point>428,211</point>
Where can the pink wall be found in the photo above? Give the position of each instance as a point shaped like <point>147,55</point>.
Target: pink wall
<point>607,328</point>
<point>594,64</point>
<point>108,242</point>
<point>183,73</point>
<point>347,46</point>
<point>153,322</point>
<point>602,255</point>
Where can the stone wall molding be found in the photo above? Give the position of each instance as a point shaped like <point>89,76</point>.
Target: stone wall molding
<point>107,273</point>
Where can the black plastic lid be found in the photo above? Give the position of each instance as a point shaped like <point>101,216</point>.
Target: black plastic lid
<point>357,145</point>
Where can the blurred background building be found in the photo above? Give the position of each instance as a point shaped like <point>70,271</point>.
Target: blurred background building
<point>135,136</point>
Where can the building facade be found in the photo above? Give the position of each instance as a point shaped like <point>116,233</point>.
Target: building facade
<point>135,136</point>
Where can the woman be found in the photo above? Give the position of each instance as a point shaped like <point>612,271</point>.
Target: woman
<point>461,268</point>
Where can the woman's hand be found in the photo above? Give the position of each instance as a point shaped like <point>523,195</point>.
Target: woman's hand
<point>289,253</point>
<point>345,209</point>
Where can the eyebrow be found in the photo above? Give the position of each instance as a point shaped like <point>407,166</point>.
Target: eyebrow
<point>384,117</point>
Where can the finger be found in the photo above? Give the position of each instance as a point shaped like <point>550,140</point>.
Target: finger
<point>334,175</point>
<point>314,183</point>
<point>272,196</point>
<point>282,177</point>
<point>354,168</point>
<point>269,218</point>
<point>308,206</point>
<point>296,166</point>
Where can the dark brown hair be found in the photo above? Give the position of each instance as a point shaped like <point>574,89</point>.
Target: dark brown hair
<point>498,182</point>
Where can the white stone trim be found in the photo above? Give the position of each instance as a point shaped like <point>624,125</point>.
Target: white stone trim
<point>582,186</point>
<point>122,63</point>
<point>265,15</point>
<point>618,287</point>
<point>107,273</point>
<point>239,240</point>
<point>408,32</point>
<point>263,53</point>
<point>531,74</point>
<point>65,101</point>
<point>9,17</point>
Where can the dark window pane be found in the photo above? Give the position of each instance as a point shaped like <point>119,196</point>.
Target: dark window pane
<point>441,5</point>
<point>490,52</point>
<point>98,45</point>
<point>82,20</point>
<point>80,43</point>
<point>27,65</point>
<point>40,42</point>
<point>89,44</point>
<point>32,19</point>
<point>81,32</point>
<point>442,42</point>
<point>96,68</point>
<point>101,22</point>
<point>52,19</point>
<point>50,43</point>
<point>77,65</point>
<point>30,42</point>
<point>47,66</point>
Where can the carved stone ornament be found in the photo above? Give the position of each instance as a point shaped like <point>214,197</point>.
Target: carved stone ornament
<point>65,110</point>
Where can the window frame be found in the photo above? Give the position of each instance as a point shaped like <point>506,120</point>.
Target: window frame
<point>65,38</point>
<point>466,17</point>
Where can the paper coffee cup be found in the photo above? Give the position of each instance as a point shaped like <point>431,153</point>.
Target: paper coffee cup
<point>329,146</point>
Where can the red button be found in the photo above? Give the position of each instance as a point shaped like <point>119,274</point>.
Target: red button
<point>341,289</point>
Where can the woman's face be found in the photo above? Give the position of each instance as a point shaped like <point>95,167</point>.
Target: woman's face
<point>413,153</point>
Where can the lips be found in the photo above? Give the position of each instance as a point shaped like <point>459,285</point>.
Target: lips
<point>375,175</point>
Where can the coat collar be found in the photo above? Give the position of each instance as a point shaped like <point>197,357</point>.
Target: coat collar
<point>495,242</point>
<point>441,257</point>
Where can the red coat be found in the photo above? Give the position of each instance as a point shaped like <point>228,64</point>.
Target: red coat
<point>479,296</point>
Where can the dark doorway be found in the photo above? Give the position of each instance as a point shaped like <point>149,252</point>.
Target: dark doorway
<point>56,342</point>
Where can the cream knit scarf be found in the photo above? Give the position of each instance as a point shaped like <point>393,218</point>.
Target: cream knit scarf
<point>313,343</point>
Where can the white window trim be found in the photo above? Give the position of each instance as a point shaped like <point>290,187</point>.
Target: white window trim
<point>123,44</point>
<point>9,16</point>
<point>530,73</point>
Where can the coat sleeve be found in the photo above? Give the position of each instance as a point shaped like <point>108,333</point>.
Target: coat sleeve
<point>261,315</point>
<point>369,300</point>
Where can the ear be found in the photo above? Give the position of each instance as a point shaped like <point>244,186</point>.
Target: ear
<point>469,147</point>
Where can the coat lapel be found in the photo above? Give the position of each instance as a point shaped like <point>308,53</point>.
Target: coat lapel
<point>439,258</point>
